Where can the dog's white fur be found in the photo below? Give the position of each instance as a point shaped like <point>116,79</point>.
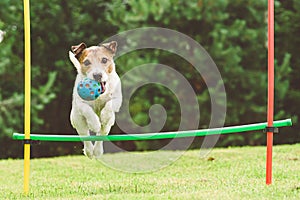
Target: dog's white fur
<point>2,33</point>
<point>97,116</point>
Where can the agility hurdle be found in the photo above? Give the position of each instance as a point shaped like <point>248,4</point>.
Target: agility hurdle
<point>270,126</point>
<point>154,136</point>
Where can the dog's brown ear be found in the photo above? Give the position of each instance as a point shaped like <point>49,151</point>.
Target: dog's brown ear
<point>112,46</point>
<point>77,50</point>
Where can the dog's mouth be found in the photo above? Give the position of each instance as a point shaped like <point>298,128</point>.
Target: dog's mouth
<point>103,88</point>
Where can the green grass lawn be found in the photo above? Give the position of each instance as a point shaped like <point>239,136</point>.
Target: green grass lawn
<point>231,173</point>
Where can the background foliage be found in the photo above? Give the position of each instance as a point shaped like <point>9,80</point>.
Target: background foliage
<point>232,31</point>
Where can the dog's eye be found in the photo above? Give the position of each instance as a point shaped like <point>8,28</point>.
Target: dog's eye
<point>86,62</point>
<point>104,60</point>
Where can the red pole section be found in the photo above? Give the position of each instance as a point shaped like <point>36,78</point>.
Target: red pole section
<point>270,90</point>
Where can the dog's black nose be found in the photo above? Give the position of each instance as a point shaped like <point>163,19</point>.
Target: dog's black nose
<point>97,76</point>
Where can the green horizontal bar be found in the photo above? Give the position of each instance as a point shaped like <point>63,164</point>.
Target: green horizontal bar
<point>154,136</point>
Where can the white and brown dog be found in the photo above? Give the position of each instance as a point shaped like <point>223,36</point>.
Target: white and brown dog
<point>98,116</point>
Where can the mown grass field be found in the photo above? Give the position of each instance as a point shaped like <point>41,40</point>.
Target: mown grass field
<point>231,173</point>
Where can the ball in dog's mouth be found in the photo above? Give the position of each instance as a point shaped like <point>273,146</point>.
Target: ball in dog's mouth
<point>90,89</point>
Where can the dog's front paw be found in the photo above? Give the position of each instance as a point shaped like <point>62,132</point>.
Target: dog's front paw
<point>98,149</point>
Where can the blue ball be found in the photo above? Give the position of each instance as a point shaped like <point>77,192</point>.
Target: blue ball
<point>89,89</point>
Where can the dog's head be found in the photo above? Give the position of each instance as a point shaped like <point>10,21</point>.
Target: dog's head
<point>95,62</point>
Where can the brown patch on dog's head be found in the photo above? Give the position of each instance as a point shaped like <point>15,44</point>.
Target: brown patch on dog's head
<point>83,55</point>
<point>85,67</point>
<point>109,69</point>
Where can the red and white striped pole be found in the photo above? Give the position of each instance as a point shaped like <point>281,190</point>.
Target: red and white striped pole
<point>270,90</point>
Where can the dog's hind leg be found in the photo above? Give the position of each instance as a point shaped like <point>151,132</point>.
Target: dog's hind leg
<point>79,123</point>
<point>98,147</point>
<point>107,117</point>
<point>88,149</point>
<point>88,145</point>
